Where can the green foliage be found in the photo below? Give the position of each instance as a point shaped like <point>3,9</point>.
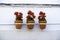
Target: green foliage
<point>43,19</point>
<point>30,19</point>
<point>18,18</point>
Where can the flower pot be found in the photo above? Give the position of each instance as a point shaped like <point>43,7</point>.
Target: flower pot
<point>30,24</point>
<point>42,24</point>
<point>19,24</point>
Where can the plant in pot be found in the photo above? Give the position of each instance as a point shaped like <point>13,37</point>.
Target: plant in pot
<point>18,20</point>
<point>30,20</point>
<point>42,21</point>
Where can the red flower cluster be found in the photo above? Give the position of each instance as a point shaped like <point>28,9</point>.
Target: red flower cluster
<point>41,15</point>
<point>30,14</point>
<point>18,14</point>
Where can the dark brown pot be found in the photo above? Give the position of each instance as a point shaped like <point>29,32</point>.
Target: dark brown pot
<point>18,26</point>
<point>42,24</point>
<point>31,25</point>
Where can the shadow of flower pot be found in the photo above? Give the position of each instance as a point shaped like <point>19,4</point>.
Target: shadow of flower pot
<point>30,24</point>
<point>18,24</point>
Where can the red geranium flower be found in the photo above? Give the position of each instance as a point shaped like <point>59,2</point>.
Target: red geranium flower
<point>30,13</point>
<point>20,15</point>
<point>41,15</point>
<point>28,16</point>
<point>16,13</point>
<point>33,15</point>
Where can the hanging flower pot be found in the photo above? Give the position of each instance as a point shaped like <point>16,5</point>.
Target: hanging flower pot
<point>42,24</point>
<point>30,24</point>
<point>18,21</point>
<point>18,24</point>
<point>42,21</point>
<point>30,20</point>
